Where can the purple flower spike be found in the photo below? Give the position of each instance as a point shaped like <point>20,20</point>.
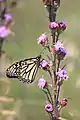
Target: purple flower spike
<point>49,108</point>
<point>44,64</point>
<point>43,39</point>
<point>62,74</point>
<point>42,83</point>
<point>53,25</point>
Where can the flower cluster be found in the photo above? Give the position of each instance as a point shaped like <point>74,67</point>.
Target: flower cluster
<point>43,84</point>
<point>58,27</point>
<point>56,53</point>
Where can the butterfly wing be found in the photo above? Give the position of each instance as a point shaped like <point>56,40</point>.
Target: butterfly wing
<point>24,70</point>
<point>28,69</point>
<point>12,71</point>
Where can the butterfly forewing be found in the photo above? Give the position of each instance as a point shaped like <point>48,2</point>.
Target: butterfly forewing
<point>29,70</point>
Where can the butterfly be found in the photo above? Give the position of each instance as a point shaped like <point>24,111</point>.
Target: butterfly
<point>25,70</point>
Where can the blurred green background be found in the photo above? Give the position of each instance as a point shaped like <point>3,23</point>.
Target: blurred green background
<point>31,20</point>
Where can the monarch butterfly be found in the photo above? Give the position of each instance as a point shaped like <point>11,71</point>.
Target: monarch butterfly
<point>24,70</point>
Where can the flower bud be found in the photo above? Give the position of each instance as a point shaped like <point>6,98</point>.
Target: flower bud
<point>43,39</point>
<point>49,108</point>
<point>53,25</point>
<point>62,26</point>
<point>42,83</point>
<point>63,102</point>
<point>44,65</point>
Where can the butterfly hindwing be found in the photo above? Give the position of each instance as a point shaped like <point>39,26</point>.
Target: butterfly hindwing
<point>12,71</point>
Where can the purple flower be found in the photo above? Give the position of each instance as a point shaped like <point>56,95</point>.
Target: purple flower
<point>61,53</point>
<point>62,25</point>
<point>7,17</point>
<point>42,83</point>
<point>60,50</point>
<point>49,108</point>
<point>53,25</point>
<point>4,32</point>
<point>62,74</point>
<point>58,45</point>
<point>43,39</point>
<point>44,64</point>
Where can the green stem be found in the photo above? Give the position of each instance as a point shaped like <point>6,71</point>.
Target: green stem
<point>58,65</point>
<point>50,95</point>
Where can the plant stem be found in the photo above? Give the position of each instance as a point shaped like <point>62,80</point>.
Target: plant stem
<point>49,99</point>
<point>52,18</point>
<point>58,65</point>
<point>52,9</point>
<point>50,96</point>
<point>58,92</point>
<point>54,78</point>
